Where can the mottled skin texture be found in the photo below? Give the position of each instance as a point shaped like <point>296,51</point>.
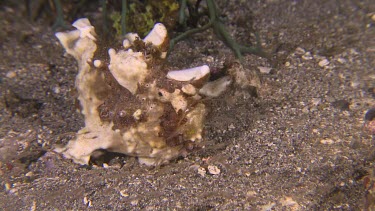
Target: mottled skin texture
<point>130,106</point>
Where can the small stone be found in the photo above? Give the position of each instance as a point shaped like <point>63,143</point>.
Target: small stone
<point>134,202</point>
<point>105,165</point>
<point>306,110</point>
<point>11,74</point>
<point>369,125</point>
<point>7,186</point>
<point>209,59</point>
<point>307,56</point>
<point>56,90</point>
<point>370,114</point>
<point>355,84</point>
<point>373,17</point>
<point>287,201</point>
<point>97,63</point>
<point>29,174</point>
<point>33,206</point>
<point>86,201</point>
<point>300,50</point>
<point>316,101</point>
<point>353,51</point>
<point>341,60</point>
<point>231,127</point>
<point>327,141</point>
<point>38,46</point>
<point>265,70</point>
<point>191,74</point>
<point>214,170</point>
<point>13,191</point>
<point>287,64</point>
<point>123,193</point>
<point>202,171</point>
<point>215,88</point>
<point>268,207</point>
<point>323,63</point>
<point>251,194</point>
